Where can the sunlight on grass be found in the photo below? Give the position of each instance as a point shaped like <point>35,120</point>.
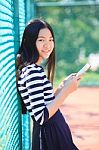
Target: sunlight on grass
<point>90,79</point>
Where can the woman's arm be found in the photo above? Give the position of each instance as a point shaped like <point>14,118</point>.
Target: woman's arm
<point>57,91</point>
<point>68,86</point>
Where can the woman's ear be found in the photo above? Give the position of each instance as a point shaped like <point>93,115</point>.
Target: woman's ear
<point>18,59</point>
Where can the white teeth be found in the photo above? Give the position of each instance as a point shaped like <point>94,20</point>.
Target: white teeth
<point>46,51</point>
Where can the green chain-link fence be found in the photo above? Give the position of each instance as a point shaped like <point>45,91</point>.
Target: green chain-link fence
<point>10,123</point>
<point>14,127</point>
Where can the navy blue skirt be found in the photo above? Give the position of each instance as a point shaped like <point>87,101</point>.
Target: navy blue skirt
<point>53,135</point>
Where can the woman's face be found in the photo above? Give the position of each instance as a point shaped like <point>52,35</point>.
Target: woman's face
<point>44,44</point>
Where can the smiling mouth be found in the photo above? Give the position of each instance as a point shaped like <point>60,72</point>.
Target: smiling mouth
<point>47,51</point>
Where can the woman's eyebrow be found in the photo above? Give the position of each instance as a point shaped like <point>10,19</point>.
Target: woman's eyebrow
<point>41,37</point>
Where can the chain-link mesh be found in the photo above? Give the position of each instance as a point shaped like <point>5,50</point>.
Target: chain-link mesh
<point>12,135</point>
<point>25,117</point>
<point>9,105</point>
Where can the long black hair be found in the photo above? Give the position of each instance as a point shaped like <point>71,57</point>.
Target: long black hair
<point>28,52</point>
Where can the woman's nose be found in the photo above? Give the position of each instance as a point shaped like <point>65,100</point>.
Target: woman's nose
<point>47,44</point>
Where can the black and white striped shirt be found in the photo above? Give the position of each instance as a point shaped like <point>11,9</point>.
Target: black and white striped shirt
<point>36,91</point>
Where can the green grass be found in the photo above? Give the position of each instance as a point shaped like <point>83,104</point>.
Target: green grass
<point>90,79</point>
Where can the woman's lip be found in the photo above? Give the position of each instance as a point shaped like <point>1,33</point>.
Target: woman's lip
<point>46,51</point>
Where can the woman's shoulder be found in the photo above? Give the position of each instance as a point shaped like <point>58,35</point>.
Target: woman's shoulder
<point>32,68</point>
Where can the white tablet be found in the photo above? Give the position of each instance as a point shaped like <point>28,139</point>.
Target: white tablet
<point>83,70</point>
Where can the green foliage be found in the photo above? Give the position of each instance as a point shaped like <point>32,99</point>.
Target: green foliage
<point>90,79</point>
<point>76,31</point>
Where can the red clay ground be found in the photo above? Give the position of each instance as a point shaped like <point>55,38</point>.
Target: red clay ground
<point>81,111</point>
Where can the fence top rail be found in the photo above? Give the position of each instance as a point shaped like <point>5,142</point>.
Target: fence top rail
<point>67,4</point>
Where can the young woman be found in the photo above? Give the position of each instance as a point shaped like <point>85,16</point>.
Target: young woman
<point>50,131</point>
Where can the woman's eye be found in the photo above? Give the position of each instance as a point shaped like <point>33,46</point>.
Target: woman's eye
<point>40,40</point>
<point>43,40</point>
<point>51,39</point>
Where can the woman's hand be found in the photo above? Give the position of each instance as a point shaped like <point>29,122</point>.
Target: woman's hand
<point>71,83</point>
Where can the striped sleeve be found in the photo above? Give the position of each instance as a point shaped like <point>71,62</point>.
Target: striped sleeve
<point>34,87</point>
<point>23,91</point>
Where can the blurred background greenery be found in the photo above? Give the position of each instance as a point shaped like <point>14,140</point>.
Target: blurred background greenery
<point>76,30</point>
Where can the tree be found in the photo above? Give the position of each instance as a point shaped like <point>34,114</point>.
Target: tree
<point>76,30</point>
